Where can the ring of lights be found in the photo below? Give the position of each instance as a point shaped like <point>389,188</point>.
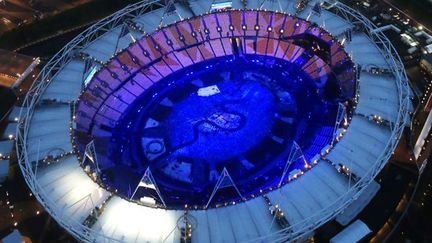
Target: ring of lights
<point>145,63</point>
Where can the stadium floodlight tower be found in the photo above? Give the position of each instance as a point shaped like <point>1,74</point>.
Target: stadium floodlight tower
<point>136,54</point>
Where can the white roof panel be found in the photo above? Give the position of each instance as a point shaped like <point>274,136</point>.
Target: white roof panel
<point>6,147</point>
<point>353,233</point>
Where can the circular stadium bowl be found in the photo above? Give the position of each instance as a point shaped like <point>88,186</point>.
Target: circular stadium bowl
<point>207,93</point>
<point>256,122</point>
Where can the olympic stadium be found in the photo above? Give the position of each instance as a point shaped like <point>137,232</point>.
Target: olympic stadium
<point>214,121</point>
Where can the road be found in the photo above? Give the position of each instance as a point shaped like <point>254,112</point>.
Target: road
<point>16,12</point>
<point>54,36</point>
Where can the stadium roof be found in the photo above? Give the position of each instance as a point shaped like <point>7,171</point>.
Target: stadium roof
<point>70,195</point>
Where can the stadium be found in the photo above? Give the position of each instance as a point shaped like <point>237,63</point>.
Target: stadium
<point>214,121</point>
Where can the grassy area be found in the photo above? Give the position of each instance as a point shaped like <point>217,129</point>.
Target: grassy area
<point>7,99</point>
<point>78,16</point>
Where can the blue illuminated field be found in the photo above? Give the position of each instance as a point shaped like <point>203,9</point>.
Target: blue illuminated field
<point>240,114</point>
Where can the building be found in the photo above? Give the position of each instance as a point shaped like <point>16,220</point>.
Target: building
<point>15,68</point>
<point>426,64</point>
